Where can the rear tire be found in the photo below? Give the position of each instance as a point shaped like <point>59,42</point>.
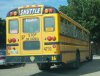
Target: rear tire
<point>91,57</point>
<point>76,64</point>
<point>44,66</point>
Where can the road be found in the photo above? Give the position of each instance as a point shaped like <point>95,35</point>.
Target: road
<point>86,69</point>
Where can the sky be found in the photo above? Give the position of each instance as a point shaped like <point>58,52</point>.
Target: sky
<point>7,5</point>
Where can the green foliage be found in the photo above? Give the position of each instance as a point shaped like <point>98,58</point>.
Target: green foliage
<point>2,31</point>
<point>87,13</point>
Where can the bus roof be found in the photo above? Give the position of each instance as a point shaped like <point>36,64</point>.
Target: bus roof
<point>30,10</point>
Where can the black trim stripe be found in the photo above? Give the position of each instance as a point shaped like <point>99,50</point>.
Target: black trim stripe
<point>64,43</point>
<point>73,51</point>
<point>12,44</point>
<point>50,43</point>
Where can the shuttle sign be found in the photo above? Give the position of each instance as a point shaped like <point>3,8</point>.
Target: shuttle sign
<point>27,11</point>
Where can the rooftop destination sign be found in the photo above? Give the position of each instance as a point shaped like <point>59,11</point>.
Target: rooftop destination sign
<point>27,11</point>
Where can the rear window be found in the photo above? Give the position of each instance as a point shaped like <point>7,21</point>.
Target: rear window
<point>13,26</point>
<point>31,25</point>
<point>49,24</point>
<point>31,45</point>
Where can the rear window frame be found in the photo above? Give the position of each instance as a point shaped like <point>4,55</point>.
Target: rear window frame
<point>9,26</point>
<point>30,18</point>
<point>26,49</point>
<point>44,23</point>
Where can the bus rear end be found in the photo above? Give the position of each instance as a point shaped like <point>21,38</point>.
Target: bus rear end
<point>32,35</point>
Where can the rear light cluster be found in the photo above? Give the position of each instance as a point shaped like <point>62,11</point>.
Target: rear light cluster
<point>50,38</point>
<point>12,40</point>
<point>49,10</point>
<point>54,45</point>
<point>13,13</point>
<point>8,47</point>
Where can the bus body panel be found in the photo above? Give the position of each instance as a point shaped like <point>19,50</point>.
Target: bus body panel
<point>27,38</point>
<point>49,45</point>
<point>69,44</point>
<point>12,45</point>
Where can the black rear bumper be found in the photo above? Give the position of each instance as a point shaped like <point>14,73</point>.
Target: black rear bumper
<point>34,59</point>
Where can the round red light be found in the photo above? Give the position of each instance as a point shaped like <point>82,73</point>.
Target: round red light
<point>13,40</point>
<point>49,38</point>
<point>11,13</point>
<point>50,10</point>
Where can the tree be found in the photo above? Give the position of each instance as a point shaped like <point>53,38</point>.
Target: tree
<point>87,13</point>
<point>2,31</point>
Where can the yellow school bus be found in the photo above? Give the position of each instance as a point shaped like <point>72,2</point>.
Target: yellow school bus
<point>43,35</point>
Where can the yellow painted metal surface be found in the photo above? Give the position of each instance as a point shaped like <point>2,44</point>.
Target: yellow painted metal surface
<point>44,49</point>
<point>42,37</point>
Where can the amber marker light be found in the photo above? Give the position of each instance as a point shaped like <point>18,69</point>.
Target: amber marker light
<point>46,11</point>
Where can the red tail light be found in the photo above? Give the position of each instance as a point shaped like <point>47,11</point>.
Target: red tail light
<point>11,13</point>
<point>13,40</point>
<point>49,38</point>
<point>50,10</point>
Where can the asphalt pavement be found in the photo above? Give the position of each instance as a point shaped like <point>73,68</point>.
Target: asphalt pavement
<point>86,69</point>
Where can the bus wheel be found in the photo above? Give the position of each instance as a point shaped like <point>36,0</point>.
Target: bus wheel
<point>44,66</point>
<point>76,64</point>
<point>91,57</point>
